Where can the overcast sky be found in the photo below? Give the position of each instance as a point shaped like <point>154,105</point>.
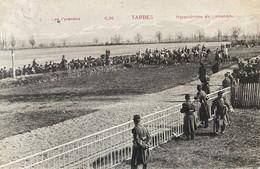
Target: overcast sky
<point>24,18</point>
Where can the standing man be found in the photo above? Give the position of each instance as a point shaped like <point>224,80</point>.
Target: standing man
<point>222,105</point>
<point>140,144</point>
<point>204,108</point>
<point>232,79</point>
<point>205,83</point>
<point>63,63</point>
<point>217,59</point>
<point>188,109</point>
<point>200,92</point>
<point>204,111</point>
<point>202,71</point>
<point>107,57</point>
<point>226,82</point>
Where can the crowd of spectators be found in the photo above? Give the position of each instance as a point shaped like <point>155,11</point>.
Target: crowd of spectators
<point>248,71</point>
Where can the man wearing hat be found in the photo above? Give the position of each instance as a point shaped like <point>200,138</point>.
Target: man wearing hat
<point>232,79</point>
<point>140,144</point>
<point>204,110</point>
<point>200,92</point>
<point>205,83</point>
<point>222,105</point>
<point>226,82</point>
<point>202,72</point>
<point>189,119</point>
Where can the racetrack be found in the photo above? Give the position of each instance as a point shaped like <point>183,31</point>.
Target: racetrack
<point>109,110</point>
<point>26,56</point>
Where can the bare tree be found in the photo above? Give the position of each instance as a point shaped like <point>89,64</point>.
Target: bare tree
<point>138,37</point>
<point>244,37</point>
<point>200,34</point>
<point>179,36</point>
<point>52,44</point>
<point>95,40</point>
<point>3,42</point>
<point>235,31</point>
<point>128,41</point>
<point>158,35</point>
<point>193,37</point>
<point>22,43</point>
<point>12,41</point>
<point>41,45</point>
<point>219,34</point>
<point>225,36</point>
<point>169,37</point>
<point>116,39</point>
<point>64,42</point>
<point>32,41</point>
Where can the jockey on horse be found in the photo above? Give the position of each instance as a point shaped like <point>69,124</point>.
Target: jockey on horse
<point>226,53</point>
<point>195,53</point>
<point>140,58</point>
<point>204,54</point>
<point>218,56</point>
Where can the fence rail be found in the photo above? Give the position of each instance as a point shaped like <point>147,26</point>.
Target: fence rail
<point>110,147</point>
<point>247,95</point>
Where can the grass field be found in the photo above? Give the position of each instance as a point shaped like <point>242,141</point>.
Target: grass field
<point>237,148</point>
<point>48,101</point>
<point>34,106</point>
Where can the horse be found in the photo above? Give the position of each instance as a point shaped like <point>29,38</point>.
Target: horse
<point>219,57</point>
<point>204,54</point>
<point>196,55</point>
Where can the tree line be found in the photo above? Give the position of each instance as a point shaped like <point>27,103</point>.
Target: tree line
<point>199,35</point>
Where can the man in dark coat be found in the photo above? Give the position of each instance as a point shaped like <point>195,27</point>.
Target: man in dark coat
<point>222,105</point>
<point>200,92</point>
<point>63,63</point>
<point>34,64</point>
<point>215,68</point>
<point>226,82</point>
<point>140,144</point>
<point>202,71</point>
<point>188,109</point>
<point>205,83</point>
<point>204,111</point>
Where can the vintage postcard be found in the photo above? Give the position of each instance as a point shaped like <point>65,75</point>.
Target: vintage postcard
<point>129,83</point>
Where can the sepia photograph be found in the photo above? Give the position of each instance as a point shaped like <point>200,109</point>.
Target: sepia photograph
<point>129,84</point>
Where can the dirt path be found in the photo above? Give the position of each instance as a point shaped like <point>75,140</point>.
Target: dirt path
<point>109,114</point>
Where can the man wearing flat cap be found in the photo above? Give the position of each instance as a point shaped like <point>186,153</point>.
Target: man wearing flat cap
<point>188,109</point>
<point>140,144</point>
<point>222,105</point>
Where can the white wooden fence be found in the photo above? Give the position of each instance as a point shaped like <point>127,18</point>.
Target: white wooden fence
<point>110,147</point>
<point>246,95</point>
